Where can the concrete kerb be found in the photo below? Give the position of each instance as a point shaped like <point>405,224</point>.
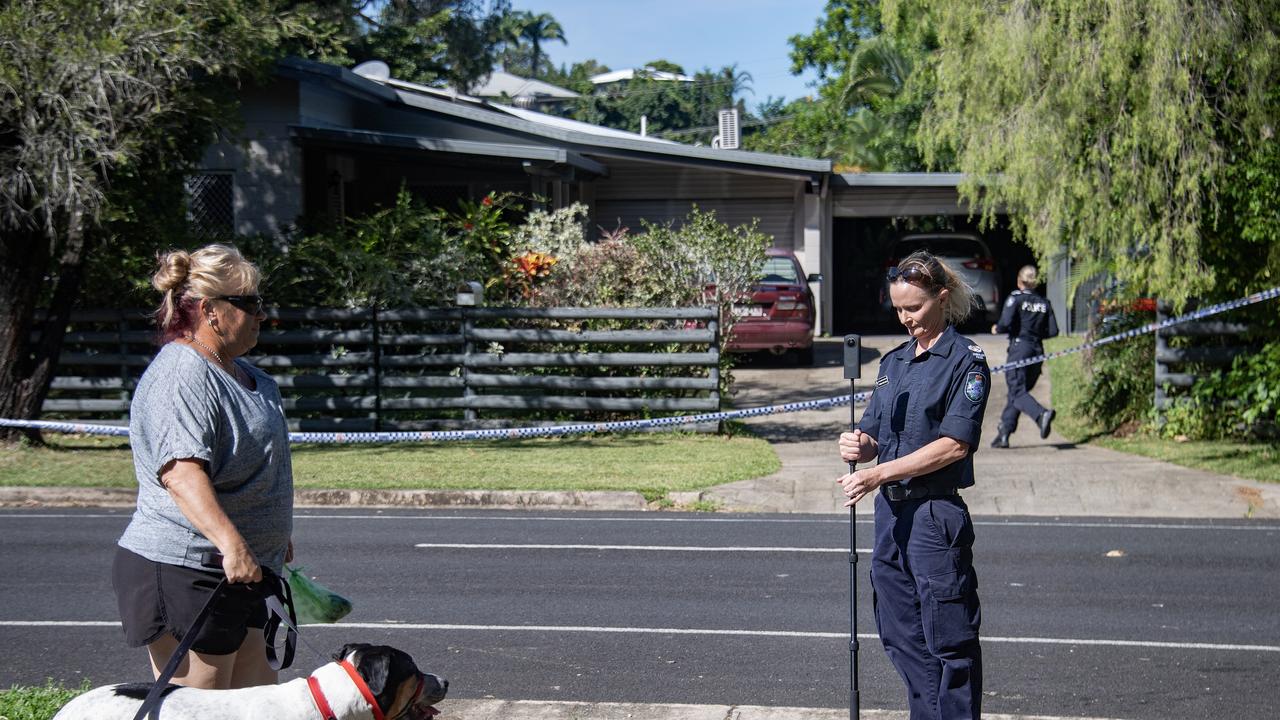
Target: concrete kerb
<point>497,499</point>
<point>545,710</point>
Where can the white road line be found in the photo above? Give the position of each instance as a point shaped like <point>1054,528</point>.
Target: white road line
<point>1155,644</point>
<point>707,519</point>
<point>647,548</point>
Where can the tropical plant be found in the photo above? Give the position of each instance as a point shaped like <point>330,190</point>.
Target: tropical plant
<point>485,231</point>
<point>536,28</point>
<point>558,233</point>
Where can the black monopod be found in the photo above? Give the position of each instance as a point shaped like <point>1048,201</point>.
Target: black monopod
<point>853,371</point>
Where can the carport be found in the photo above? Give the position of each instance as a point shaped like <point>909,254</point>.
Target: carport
<point>870,210</point>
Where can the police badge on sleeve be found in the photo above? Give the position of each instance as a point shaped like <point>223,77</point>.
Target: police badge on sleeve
<point>975,386</point>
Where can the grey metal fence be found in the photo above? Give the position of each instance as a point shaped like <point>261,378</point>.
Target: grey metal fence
<point>430,368</point>
<point>1211,344</point>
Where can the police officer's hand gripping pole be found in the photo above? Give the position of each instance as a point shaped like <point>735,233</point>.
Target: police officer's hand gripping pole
<point>852,371</point>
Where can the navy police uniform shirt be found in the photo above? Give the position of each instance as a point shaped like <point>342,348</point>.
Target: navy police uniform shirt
<point>917,399</point>
<point>1027,317</point>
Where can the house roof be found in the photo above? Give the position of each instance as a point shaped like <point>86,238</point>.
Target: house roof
<point>502,83</point>
<point>899,180</point>
<point>541,128</point>
<point>621,75</point>
<point>555,155</point>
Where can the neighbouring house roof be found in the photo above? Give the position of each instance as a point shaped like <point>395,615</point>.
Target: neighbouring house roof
<point>621,75</point>
<point>540,128</point>
<point>500,83</point>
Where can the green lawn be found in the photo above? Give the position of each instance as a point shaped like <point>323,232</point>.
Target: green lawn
<point>35,703</point>
<point>1251,461</point>
<point>651,463</point>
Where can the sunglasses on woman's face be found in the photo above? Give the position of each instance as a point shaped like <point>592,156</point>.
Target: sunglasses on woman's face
<point>911,274</point>
<point>251,304</point>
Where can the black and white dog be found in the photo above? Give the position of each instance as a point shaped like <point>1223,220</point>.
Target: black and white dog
<point>365,682</point>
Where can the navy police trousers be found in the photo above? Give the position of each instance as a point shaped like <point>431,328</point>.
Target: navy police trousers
<point>1020,381</point>
<point>926,603</point>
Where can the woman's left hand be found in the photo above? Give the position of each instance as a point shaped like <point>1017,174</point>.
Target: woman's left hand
<point>858,484</point>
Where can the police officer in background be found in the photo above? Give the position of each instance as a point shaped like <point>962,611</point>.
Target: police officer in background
<point>1028,319</point>
<point>922,426</point>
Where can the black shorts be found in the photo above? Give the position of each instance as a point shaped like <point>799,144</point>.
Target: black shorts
<point>155,598</point>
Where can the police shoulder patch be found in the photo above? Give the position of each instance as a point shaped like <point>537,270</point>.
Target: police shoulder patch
<point>978,352</point>
<point>975,386</point>
<point>882,381</point>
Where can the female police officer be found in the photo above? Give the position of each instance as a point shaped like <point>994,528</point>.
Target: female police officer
<point>1028,318</point>
<point>923,423</point>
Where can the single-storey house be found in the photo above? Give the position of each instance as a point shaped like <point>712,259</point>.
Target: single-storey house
<point>321,140</point>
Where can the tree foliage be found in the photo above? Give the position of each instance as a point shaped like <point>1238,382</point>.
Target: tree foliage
<point>1111,130</point>
<point>85,85</point>
<point>433,42</point>
<point>98,100</point>
<point>684,110</point>
<point>867,104</point>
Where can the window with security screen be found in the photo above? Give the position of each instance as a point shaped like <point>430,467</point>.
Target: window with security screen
<point>210,208</point>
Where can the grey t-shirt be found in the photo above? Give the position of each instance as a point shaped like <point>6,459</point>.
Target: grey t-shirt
<point>187,408</point>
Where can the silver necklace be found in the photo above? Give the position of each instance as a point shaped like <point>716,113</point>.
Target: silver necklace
<point>192,338</point>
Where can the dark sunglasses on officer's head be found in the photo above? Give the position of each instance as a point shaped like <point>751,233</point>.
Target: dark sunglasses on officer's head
<point>251,304</point>
<point>911,274</point>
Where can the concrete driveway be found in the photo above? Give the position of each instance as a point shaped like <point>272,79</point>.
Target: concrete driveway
<point>1033,477</point>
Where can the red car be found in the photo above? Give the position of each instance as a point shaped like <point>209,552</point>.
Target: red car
<point>780,315</point>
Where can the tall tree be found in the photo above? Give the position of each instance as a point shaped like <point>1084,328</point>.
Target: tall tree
<point>1109,129</point>
<point>88,90</point>
<point>537,28</point>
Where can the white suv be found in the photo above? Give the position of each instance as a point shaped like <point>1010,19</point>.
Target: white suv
<point>965,253</point>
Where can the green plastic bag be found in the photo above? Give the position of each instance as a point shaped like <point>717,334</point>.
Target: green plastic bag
<point>314,602</point>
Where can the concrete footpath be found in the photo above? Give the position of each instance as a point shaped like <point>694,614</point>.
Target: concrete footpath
<point>529,710</point>
<point>1049,477</point>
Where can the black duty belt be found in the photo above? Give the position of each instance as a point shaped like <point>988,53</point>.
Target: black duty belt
<point>896,492</point>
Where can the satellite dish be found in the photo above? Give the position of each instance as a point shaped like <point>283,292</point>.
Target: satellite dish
<point>373,70</point>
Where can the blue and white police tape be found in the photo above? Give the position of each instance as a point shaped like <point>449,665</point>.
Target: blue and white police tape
<point>493,434</point>
<point>1200,314</point>
<point>666,422</point>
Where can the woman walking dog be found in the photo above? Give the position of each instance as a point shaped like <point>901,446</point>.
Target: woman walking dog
<point>923,424</point>
<point>211,455</point>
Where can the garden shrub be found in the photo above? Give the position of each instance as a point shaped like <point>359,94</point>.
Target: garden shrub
<point>1121,374</point>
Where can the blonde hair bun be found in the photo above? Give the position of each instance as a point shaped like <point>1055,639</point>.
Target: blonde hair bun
<point>175,266</point>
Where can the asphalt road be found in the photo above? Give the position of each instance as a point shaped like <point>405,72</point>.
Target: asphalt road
<point>1113,619</point>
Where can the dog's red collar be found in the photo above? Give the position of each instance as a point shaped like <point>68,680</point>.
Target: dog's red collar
<point>322,703</point>
<point>317,696</point>
<point>363,688</point>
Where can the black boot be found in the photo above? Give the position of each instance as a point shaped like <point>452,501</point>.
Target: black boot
<point>1001,439</point>
<point>1045,421</point>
